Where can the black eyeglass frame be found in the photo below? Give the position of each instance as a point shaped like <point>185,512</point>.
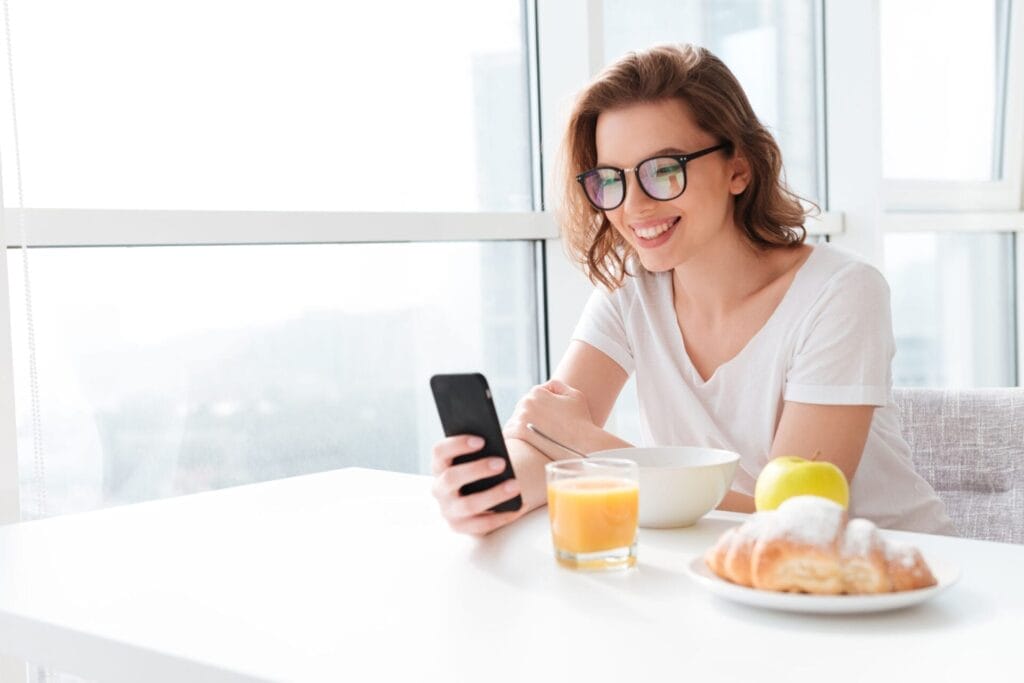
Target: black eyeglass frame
<point>682,159</point>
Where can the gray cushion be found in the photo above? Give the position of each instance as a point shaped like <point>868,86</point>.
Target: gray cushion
<point>969,445</point>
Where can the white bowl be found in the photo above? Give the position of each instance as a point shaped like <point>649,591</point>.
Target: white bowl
<point>678,484</point>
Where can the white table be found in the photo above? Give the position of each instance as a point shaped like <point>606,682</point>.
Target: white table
<point>352,575</point>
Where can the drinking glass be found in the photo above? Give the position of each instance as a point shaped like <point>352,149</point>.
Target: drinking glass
<point>593,504</point>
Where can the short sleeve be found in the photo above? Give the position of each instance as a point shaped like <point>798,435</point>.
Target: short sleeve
<point>845,345</point>
<point>602,326</point>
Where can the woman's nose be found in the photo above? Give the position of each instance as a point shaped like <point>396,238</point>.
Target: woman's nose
<point>635,198</point>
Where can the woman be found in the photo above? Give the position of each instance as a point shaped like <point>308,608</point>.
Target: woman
<point>741,336</point>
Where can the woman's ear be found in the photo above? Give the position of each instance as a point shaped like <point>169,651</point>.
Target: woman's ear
<point>739,177</point>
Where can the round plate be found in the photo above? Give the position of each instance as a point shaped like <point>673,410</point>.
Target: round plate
<point>944,573</point>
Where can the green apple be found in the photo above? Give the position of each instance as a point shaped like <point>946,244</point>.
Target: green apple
<point>788,476</point>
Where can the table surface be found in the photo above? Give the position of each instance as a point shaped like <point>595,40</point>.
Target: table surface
<point>351,574</point>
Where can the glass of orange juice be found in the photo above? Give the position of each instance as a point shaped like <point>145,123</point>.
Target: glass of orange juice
<point>592,504</point>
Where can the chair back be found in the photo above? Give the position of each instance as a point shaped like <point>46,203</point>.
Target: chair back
<point>969,445</point>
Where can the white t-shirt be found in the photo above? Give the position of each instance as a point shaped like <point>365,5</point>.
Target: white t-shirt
<point>829,341</point>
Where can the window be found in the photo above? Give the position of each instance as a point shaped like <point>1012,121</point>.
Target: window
<point>212,105</point>
<point>171,370</point>
<point>951,159</point>
<point>943,87</point>
<point>953,314</point>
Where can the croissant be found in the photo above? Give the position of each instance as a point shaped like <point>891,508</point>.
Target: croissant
<point>808,545</point>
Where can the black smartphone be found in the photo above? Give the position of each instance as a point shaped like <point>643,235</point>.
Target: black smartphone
<point>465,405</point>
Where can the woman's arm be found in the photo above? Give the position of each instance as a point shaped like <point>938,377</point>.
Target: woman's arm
<point>574,406</point>
<point>586,387</point>
<point>837,432</point>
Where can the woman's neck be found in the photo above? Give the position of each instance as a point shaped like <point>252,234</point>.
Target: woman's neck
<point>726,273</point>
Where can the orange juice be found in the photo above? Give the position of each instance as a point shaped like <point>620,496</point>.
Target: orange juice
<point>592,514</point>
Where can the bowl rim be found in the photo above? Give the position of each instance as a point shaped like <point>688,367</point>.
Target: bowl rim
<point>732,456</point>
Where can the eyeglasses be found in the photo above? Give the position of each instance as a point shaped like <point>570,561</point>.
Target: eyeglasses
<point>662,178</point>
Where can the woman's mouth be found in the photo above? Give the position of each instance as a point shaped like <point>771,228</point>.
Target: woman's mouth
<point>651,235</point>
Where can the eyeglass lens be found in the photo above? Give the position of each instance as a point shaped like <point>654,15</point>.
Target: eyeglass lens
<point>604,187</point>
<point>662,178</point>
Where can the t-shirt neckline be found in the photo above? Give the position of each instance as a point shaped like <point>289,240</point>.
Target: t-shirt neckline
<point>784,303</point>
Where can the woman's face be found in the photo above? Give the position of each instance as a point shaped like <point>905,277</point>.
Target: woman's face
<point>667,233</point>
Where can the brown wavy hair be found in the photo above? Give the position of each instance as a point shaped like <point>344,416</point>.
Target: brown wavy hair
<point>768,212</point>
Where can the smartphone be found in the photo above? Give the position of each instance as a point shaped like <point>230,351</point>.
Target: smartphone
<point>465,405</point>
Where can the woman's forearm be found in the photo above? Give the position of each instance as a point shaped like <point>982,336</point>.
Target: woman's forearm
<point>528,461</point>
<point>598,439</point>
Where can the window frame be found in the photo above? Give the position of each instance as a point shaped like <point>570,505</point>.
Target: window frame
<point>991,195</point>
<point>976,206</point>
<point>134,227</point>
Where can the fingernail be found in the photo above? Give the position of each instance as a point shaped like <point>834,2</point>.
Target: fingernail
<point>510,486</point>
<point>475,442</point>
<point>496,464</point>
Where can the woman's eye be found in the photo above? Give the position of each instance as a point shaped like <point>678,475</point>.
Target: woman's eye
<point>608,182</point>
<point>665,171</point>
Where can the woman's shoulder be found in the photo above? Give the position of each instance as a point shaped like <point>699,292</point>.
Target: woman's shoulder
<point>836,285</point>
<point>833,270</point>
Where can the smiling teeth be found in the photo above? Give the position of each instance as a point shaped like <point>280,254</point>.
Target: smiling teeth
<point>652,232</point>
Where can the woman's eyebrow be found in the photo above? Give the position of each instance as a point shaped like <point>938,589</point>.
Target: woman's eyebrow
<point>669,150</point>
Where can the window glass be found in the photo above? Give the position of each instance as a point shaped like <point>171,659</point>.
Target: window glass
<point>952,308</point>
<point>942,88</point>
<point>768,44</point>
<point>222,105</point>
<point>171,370</point>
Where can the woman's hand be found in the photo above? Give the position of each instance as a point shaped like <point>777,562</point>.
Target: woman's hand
<point>469,514</point>
<point>558,410</point>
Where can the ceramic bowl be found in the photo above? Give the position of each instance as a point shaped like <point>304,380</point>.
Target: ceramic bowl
<point>678,484</point>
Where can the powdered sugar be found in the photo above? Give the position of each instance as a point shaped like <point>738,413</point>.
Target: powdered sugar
<point>859,537</point>
<point>807,519</point>
<point>755,526</point>
<point>903,553</point>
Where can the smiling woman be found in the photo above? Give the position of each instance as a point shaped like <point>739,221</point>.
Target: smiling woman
<point>741,336</point>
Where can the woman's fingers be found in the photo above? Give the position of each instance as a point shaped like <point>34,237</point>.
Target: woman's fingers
<point>455,477</point>
<point>560,388</point>
<point>469,514</point>
<point>464,507</point>
<point>556,386</point>
<point>450,448</point>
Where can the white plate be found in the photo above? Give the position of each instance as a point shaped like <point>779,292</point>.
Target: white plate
<point>946,575</point>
